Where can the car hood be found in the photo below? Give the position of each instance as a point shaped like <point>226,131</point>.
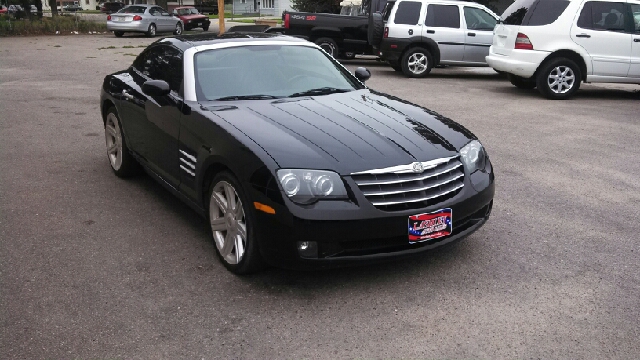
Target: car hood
<point>348,132</point>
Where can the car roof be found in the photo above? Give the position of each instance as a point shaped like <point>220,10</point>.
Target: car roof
<point>184,42</point>
<point>185,7</point>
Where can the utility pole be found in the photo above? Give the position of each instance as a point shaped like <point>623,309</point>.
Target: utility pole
<point>221,16</point>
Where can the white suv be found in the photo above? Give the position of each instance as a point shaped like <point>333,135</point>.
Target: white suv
<point>420,34</point>
<point>554,45</point>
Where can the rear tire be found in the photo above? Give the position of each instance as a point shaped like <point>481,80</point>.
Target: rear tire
<point>328,45</point>
<point>417,62</point>
<point>559,79</point>
<point>232,219</point>
<point>375,29</point>
<point>118,33</point>
<point>151,32</point>
<point>521,83</point>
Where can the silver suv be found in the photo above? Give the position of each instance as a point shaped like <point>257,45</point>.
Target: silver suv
<point>420,34</point>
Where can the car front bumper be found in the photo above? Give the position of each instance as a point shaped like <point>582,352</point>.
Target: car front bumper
<point>132,26</point>
<point>190,24</point>
<point>365,235</point>
<point>523,63</point>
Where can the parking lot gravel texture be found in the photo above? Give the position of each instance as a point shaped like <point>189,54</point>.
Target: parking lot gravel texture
<point>95,267</point>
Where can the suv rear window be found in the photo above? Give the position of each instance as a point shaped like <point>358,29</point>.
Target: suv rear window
<point>534,12</point>
<point>446,16</point>
<point>408,13</point>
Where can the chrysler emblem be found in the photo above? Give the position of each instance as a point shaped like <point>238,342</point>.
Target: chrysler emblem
<point>417,167</point>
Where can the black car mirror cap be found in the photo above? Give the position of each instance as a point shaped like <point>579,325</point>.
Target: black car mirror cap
<point>362,73</point>
<point>156,88</point>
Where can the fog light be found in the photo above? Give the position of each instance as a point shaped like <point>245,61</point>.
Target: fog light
<point>308,249</point>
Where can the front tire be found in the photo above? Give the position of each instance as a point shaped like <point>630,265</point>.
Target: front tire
<point>232,220</point>
<point>122,162</point>
<point>521,83</point>
<point>417,62</point>
<point>151,32</point>
<point>205,28</point>
<point>559,79</point>
<point>328,45</point>
<point>178,30</point>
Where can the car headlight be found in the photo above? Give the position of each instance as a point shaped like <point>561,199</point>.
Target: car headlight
<point>473,156</point>
<point>307,186</point>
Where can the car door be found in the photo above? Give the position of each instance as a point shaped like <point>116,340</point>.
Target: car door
<point>478,34</point>
<point>155,121</point>
<point>158,19</point>
<point>406,21</point>
<point>443,25</point>
<point>602,29</point>
<point>634,69</point>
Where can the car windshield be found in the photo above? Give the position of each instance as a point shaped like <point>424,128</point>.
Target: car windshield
<point>269,71</point>
<point>186,11</point>
<point>194,11</point>
<point>133,10</point>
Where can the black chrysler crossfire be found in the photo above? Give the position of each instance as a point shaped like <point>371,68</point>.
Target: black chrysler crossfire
<point>292,159</point>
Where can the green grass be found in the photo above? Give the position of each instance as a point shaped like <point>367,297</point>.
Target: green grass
<point>130,54</point>
<point>108,47</point>
<point>229,16</point>
<point>251,21</point>
<point>62,24</point>
<point>128,47</point>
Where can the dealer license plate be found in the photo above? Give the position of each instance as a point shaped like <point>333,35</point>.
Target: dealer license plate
<point>430,226</point>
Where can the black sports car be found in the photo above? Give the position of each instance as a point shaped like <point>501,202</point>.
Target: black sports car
<point>294,161</point>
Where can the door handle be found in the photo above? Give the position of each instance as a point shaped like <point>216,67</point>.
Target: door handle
<point>127,95</point>
<point>471,34</point>
<point>636,40</point>
<point>431,31</point>
<point>583,36</point>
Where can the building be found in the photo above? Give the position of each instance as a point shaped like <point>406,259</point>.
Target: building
<point>91,4</point>
<point>262,7</point>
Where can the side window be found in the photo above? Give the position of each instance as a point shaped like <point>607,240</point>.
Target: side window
<point>604,16</point>
<point>408,13</point>
<point>162,63</point>
<point>446,16</point>
<point>635,12</point>
<point>478,19</point>
<point>155,11</point>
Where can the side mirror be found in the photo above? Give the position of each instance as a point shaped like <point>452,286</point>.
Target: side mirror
<point>156,88</point>
<point>362,73</point>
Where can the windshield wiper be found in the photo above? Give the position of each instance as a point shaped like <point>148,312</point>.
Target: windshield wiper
<point>248,97</point>
<point>320,91</point>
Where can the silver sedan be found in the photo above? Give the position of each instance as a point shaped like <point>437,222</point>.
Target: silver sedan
<point>148,19</point>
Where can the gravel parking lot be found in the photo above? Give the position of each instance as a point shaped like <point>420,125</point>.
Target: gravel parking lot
<point>95,267</point>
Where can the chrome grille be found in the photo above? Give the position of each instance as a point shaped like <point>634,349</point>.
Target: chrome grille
<point>400,187</point>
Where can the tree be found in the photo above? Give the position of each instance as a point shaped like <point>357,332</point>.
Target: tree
<point>54,7</point>
<point>317,6</point>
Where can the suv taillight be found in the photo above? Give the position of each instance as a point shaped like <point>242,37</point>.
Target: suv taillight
<point>286,21</point>
<point>386,32</point>
<point>137,18</point>
<point>108,17</point>
<point>523,42</point>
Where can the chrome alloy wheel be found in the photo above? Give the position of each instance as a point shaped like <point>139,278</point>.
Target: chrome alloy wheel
<point>228,222</point>
<point>561,79</point>
<point>113,137</point>
<point>178,29</point>
<point>417,63</point>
